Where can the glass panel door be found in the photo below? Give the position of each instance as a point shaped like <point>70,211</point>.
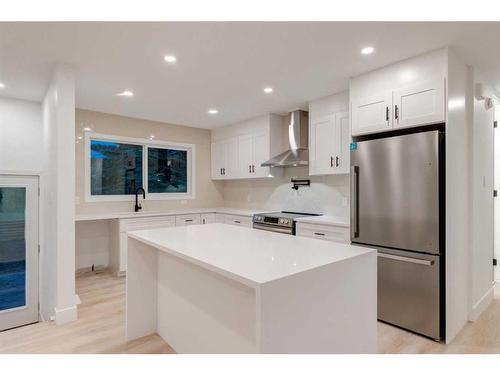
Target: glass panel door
<point>18,250</point>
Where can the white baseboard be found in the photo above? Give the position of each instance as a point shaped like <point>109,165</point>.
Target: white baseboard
<point>482,304</point>
<point>66,315</point>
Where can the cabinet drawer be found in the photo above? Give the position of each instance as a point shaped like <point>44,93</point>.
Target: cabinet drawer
<point>323,232</point>
<point>207,218</point>
<point>220,218</point>
<point>127,225</point>
<point>244,221</point>
<point>190,219</point>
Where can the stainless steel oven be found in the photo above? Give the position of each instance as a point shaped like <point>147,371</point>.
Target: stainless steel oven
<point>279,222</point>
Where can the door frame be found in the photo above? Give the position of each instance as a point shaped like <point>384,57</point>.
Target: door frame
<point>40,176</point>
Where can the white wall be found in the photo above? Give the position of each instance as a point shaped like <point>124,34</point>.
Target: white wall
<point>483,205</point>
<point>458,195</point>
<point>21,146</point>
<point>497,187</point>
<point>58,255</point>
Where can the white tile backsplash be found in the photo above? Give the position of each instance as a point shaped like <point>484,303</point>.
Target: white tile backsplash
<point>327,194</point>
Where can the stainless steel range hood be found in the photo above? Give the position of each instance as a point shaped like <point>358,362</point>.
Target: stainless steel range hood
<point>298,132</point>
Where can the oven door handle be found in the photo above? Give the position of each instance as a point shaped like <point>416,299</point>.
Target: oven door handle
<point>272,228</point>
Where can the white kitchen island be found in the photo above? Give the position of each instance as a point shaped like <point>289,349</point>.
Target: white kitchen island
<point>220,288</point>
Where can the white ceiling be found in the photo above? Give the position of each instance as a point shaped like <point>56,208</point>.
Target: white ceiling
<point>221,65</point>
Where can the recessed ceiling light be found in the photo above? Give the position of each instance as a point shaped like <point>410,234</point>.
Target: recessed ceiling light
<point>170,59</point>
<point>151,137</point>
<point>87,129</point>
<point>125,93</point>
<point>268,90</point>
<point>213,111</point>
<point>367,50</point>
<point>80,137</point>
<point>2,85</point>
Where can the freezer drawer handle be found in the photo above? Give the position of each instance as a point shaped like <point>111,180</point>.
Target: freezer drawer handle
<point>407,259</point>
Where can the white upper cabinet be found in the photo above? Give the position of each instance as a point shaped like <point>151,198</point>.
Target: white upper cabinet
<point>239,150</point>
<point>224,158</point>
<point>260,155</point>
<point>343,141</point>
<point>409,93</point>
<point>423,103</point>
<point>372,114</point>
<point>246,160</point>
<point>329,135</point>
<point>253,151</point>
<point>322,145</point>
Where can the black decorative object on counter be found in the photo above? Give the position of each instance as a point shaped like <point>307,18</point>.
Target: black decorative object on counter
<point>300,183</point>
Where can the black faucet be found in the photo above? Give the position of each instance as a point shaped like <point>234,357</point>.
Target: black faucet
<point>137,204</point>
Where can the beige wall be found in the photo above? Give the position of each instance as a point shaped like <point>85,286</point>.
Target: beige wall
<point>208,192</point>
<point>327,194</point>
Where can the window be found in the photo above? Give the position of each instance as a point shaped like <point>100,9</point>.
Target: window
<point>117,166</point>
<point>167,170</point>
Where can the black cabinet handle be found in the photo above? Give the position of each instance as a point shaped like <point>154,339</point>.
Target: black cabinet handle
<point>331,161</point>
<point>224,171</point>
<point>221,171</point>
<point>237,221</point>
<point>319,234</point>
<point>253,168</point>
<point>249,169</point>
<point>396,112</point>
<point>336,161</point>
<point>386,113</point>
<point>188,220</point>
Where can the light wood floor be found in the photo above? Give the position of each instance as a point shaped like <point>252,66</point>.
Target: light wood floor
<point>101,329</point>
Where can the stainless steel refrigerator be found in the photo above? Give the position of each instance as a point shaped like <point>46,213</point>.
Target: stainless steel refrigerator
<point>397,206</point>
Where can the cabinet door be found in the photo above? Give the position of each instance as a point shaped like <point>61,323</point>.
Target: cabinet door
<point>260,155</point>
<point>322,148</point>
<point>230,167</point>
<point>372,114</point>
<point>245,152</point>
<point>342,142</point>
<point>207,218</point>
<point>420,104</point>
<point>218,156</point>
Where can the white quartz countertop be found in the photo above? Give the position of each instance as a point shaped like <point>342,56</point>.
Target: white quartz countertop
<point>325,220</point>
<point>250,256</point>
<point>131,214</point>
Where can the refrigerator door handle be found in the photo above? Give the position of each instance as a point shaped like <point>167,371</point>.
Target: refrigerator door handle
<point>354,201</point>
<point>424,262</point>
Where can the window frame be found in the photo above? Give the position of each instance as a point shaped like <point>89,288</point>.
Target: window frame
<point>146,144</point>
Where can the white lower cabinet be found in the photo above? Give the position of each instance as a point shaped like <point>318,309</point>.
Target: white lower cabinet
<point>118,243</point>
<point>207,218</point>
<point>244,221</point>
<point>334,233</point>
<point>120,227</point>
<point>191,219</point>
